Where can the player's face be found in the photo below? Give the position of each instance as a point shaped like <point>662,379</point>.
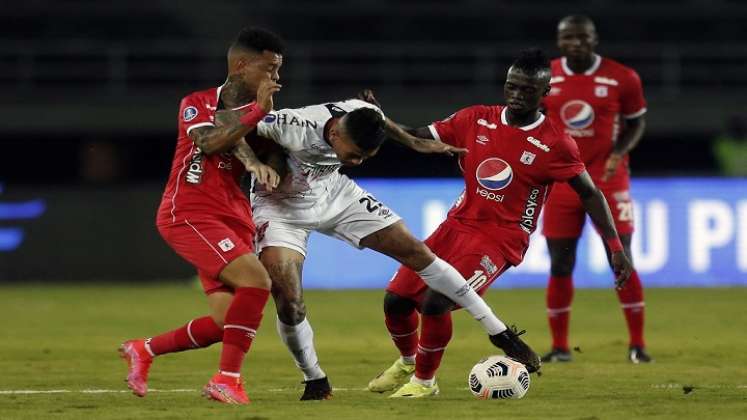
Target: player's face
<point>524,92</point>
<point>258,67</point>
<point>577,40</point>
<point>345,149</point>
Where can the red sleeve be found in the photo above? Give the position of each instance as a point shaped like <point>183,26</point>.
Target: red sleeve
<point>449,129</point>
<point>632,102</point>
<point>566,160</point>
<point>193,113</point>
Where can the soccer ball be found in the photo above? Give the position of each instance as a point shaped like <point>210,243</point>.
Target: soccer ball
<point>498,377</point>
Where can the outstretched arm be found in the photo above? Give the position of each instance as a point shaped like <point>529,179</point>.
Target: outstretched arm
<point>596,206</point>
<point>219,139</point>
<point>418,139</point>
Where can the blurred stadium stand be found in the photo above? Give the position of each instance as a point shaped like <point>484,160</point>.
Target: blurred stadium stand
<point>78,72</point>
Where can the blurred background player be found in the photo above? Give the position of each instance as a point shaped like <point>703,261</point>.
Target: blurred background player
<point>600,103</point>
<point>314,196</point>
<point>205,217</point>
<point>515,156</point>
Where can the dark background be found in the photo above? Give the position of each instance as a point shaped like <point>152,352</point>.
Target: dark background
<point>91,88</point>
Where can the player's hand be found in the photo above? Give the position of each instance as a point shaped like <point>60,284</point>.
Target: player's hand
<point>436,146</point>
<point>368,96</point>
<point>622,267</point>
<point>265,175</point>
<point>266,89</point>
<point>610,166</point>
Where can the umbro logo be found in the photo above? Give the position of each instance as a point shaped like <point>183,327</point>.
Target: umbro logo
<point>482,140</point>
<point>484,123</point>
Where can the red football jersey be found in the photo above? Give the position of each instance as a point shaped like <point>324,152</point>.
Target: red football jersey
<point>508,173</point>
<point>590,106</point>
<point>201,184</point>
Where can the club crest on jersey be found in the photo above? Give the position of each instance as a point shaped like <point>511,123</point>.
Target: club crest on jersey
<point>494,174</point>
<point>577,114</point>
<point>189,114</point>
<point>270,118</point>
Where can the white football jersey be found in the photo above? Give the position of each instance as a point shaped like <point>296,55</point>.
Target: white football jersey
<point>313,165</point>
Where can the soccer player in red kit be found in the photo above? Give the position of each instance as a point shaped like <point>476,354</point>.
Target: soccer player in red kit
<point>515,155</point>
<point>206,218</point>
<point>600,103</point>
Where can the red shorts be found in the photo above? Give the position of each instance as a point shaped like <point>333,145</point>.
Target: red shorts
<point>564,215</point>
<point>209,244</point>
<point>473,256</point>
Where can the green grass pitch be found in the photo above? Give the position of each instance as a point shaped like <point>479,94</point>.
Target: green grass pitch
<point>65,338</point>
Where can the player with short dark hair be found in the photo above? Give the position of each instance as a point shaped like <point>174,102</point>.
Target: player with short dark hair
<point>600,103</point>
<point>515,156</point>
<point>315,197</point>
<point>205,217</point>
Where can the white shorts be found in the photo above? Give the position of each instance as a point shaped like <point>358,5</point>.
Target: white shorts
<point>346,212</point>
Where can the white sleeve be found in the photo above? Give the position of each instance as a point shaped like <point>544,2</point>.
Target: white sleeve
<point>278,126</point>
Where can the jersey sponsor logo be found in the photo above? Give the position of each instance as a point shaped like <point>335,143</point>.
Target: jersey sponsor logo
<point>538,143</point>
<point>527,158</point>
<point>606,81</point>
<point>531,211</point>
<point>577,114</point>
<point>600,91</point>
<point>226,245</point>
<point>283,119</point>
<point>494,174</point>
<point>189,114</point>
<point>195,170</point>
<point>270,118</point>
<point>484,123</point>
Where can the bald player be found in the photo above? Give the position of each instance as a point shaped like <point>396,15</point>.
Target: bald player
<point>600,103</point>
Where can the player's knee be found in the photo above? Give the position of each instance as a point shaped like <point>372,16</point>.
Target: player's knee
<point>395,304</point>
<point>219,319</point>
<point>562,267</point>
<point>436,304</point>
<point>291,312</point>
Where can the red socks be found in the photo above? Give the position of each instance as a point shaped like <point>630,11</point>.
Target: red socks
<point>404,332</point>
<point>631,300</point>
<point>559,298</point>
<point>434,337</point>
<point>242,320</point>
<point>198,333</point>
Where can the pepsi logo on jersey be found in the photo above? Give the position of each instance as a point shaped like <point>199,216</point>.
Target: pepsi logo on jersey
<point>577,115</point>
<point>494,174</point>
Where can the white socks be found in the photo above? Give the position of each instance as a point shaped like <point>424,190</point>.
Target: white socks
<point>445,279</point>
<point>299,339</point>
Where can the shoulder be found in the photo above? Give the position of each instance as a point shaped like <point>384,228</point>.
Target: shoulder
<point>206,96</point>
<point>556,68</point>
<point>618,70</point>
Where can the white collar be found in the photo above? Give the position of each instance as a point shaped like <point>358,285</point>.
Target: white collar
<point>529,127</point>
<point>597,61</point>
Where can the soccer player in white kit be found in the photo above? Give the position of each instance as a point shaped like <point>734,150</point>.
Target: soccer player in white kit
<point>314,196</point>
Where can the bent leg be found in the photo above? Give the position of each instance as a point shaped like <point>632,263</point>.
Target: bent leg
<point>397,242</point>
<point>435,334</point>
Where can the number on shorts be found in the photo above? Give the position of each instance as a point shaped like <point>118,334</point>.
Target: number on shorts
<point>372,204</point>
<point>477,280</point>
<point>625,211</point>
